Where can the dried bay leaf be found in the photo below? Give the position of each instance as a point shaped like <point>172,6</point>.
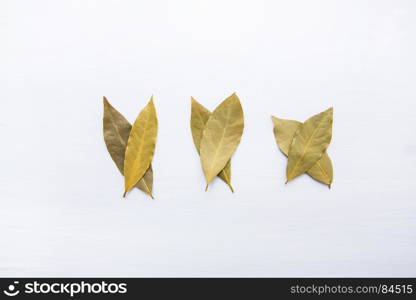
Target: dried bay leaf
<point>221,136</point>
<point>146,182</point>
<point>116,133</point>
<point>140,146</point>
<point>284,131</point>
<point>322,170</point>
<point>199,117</point>
<point>309,143</point>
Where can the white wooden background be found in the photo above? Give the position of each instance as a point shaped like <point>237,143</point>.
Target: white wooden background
<point>61,210</point>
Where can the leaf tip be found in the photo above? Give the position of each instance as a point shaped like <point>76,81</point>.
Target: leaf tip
<point>234,95</point>
<point>194,101</point>
<point>231,188</point>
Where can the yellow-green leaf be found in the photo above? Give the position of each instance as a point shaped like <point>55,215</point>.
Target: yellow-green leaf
<point>199,117</point>
<point>140,146</point>
<point>322,170</point>
<point>221,136</point>
<point>309,143</point>
<point>284,131</point>
<point>116,133</point>
<point>146,182</point>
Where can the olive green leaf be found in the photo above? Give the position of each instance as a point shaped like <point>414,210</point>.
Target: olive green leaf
<point>140,146</point>
<point>309,143</point>
<point>322,171</point>
<point>146,182</point>
<point>221,136</point>
<point>284,131</point>
<point>199,117</point>
<point>116,133</point>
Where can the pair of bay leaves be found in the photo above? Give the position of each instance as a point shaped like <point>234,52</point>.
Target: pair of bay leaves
<point>216,136</point>
<point>305,146</point>
<point>132,147</point>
